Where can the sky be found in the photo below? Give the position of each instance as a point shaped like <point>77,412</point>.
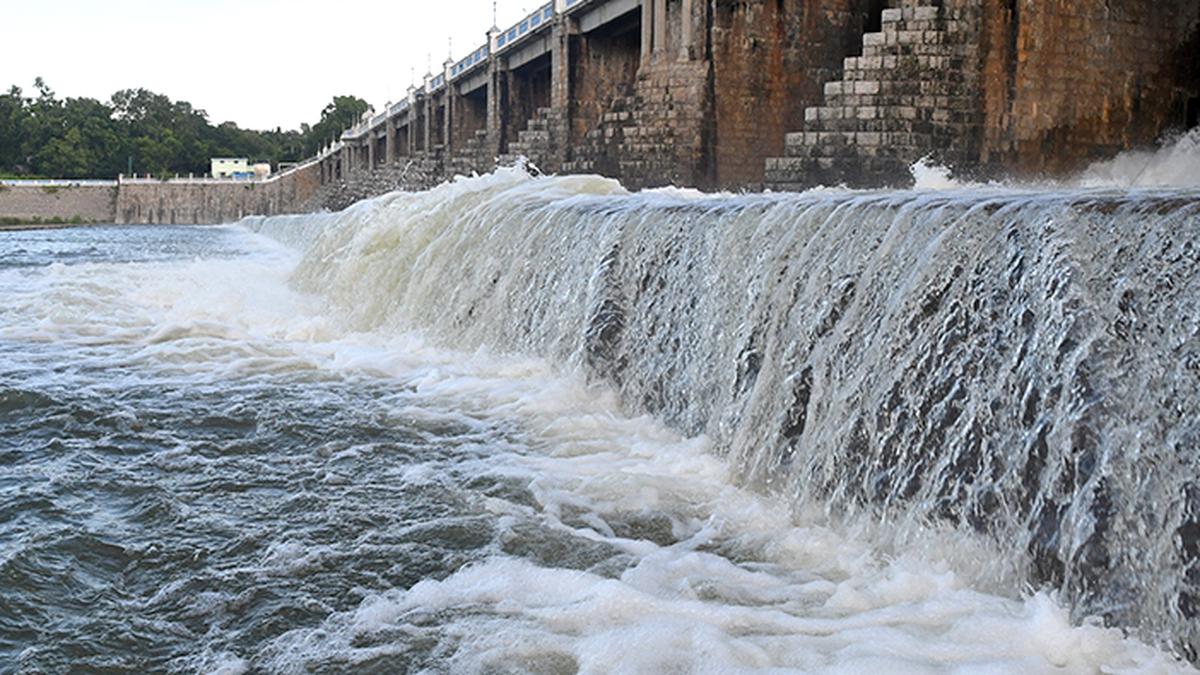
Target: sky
<point>260,63</point>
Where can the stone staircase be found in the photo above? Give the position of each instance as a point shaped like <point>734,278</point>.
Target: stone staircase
<point>539,141</point>
<point>475,157</point>
<point>646,136</point>
<point>597,152</point>
<point>907,97</point>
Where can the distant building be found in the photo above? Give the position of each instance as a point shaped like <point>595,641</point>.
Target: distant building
<point>229,167</point>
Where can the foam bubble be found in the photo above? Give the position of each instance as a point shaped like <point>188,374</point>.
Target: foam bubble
<point>1176,163</point>
<point>930,176</point>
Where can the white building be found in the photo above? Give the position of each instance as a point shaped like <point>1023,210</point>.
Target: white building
<point>230,167</point>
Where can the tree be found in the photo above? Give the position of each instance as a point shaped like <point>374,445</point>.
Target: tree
<point>343,113</point>
<point>82,137</point>
<point>12,128</point>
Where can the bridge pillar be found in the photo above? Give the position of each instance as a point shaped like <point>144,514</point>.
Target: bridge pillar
<point>412,130</point>
<point>347,160</point>
<point>370,150</point>
<point>390,143</point>
<point>448,118</point>
<point>660,26</point>
<point>647,30</point>
<point>427,132</point>
<point>560,64</point>
<point>496,93</point>
<point>687,35</point>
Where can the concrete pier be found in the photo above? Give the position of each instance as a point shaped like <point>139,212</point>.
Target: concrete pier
<point>783,94</point>
<point>786,93</point>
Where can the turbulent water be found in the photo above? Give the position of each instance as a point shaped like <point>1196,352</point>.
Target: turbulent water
<point>519,425</point>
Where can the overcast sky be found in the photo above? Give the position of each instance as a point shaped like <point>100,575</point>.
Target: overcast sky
<point>259,63</point>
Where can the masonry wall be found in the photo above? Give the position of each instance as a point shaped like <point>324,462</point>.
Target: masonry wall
<point>470,116</point>
<point>1067,83</point>
<point>87,203</point>
<point>604,68</point>
<point>771,60</point>
<point>208,203</point>
<point>528,90</point>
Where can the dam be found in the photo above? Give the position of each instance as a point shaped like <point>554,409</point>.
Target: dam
<point>489,385</point>
<point>789,94</point>
<point>518,422</point>
<point>742,96</point>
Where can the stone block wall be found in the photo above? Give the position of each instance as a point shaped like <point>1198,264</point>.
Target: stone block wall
<point>469,116</point>
<point>1067,83</point>
<point>913,93</point>
<point>771,60</point>
<point>474,155</point>
<point>542,141</point>
<point>604,69</point>
<point>527,91</point>
<point>87,203</point>
<point>666,140</point>
<point>163,202</point>
<point>658,136</point>
<point>418,172</point>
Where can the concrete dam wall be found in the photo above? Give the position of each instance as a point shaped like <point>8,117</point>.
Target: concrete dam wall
<point>79,201</point>
<point>171,202</point>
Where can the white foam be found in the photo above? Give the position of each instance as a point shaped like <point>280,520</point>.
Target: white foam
<point>1176,163</point>
<point>930,176</point>
<point>742,585</point>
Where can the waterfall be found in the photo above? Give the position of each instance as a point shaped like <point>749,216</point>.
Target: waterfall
<point>1022,364</point>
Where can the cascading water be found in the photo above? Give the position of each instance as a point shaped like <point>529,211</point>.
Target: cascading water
<point>543,425</point>
<point>1018,365</point>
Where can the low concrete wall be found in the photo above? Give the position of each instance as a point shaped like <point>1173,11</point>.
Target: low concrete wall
<point>89,203</point>
<point>191,202</point>
<point>202,202</point>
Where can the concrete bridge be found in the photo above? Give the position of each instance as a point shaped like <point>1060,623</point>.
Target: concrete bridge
<point>789,93</point>
<point>737,94</point>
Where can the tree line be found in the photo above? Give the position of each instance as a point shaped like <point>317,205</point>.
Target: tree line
<point>139,131</point>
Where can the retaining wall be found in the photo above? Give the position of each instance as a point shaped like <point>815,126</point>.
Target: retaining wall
<point>183,202</point>
<point>75,202</point>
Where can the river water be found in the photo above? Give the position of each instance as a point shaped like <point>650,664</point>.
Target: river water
<point>522,425</point>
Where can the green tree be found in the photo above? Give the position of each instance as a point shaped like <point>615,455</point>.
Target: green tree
<point>343,113</point>
<point>13,116</point>
<point>82,137</point>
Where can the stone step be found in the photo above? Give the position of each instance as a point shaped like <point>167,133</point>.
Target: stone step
<point>534,136</point>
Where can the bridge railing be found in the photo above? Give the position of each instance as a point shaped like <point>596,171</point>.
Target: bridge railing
<point>476,57</point>
<point>498,42</point>
<point>541,16</point>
